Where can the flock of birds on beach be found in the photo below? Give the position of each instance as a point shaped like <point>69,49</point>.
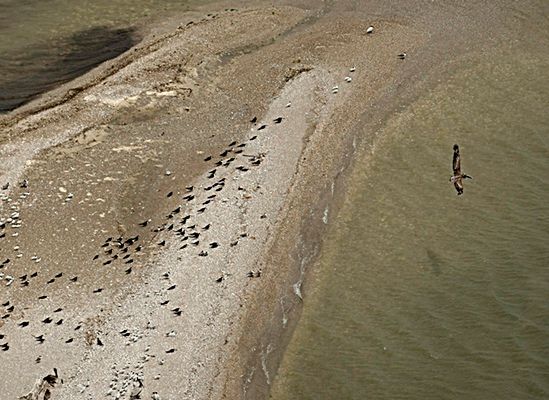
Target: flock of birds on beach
<point>118,250</point>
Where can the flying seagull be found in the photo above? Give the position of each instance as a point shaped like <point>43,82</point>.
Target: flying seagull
<point>458,177</point>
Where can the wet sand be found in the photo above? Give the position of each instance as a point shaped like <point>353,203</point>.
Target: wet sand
<point>181,134</point>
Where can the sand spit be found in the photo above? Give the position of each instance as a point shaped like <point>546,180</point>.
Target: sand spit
<point>162,209</point>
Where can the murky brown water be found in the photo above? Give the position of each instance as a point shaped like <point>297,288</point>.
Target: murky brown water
<point>46,43</point>
<point>421,294</point>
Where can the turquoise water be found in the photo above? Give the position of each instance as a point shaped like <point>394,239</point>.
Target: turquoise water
<point>419,293</point>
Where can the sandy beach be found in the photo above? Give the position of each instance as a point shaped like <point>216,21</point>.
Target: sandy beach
<point>163,208</point>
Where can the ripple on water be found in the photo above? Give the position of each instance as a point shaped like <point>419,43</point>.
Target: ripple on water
<point>426,295</point>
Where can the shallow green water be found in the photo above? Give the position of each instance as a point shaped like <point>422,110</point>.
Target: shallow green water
<point>421,294</point>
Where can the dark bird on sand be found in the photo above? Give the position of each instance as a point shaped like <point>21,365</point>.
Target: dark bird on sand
<point>458,177</point>
<point>23,324</point>
<point>132,240</point>
<point>262,127</point>
<point>40,339</point>
<point>177,311</point>
<point>253,120</point>
<point>277,120</point>
<point>51,379</point>
<point>47,320</point>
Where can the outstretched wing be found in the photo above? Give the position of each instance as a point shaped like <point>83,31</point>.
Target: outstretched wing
<point>456,162</point>
<point>458,184</point>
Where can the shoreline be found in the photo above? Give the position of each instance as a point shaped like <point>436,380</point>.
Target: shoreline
<point>84,371</point>
<point>122,145</point>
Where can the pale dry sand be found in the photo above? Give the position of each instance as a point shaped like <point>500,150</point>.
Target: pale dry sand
<point>120,146</point>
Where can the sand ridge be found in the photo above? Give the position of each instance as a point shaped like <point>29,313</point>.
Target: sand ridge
<point>167,230</point>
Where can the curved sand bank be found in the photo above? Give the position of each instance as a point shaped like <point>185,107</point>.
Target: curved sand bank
<point>148,136</point>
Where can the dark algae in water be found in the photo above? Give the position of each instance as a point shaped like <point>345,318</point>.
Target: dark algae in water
<point>33,70</point>
<point>44,44</point>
